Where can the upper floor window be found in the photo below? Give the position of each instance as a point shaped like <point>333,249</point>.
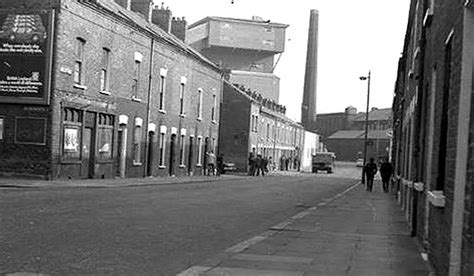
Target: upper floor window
<point>214,106</point>
<point>136,78</point>
<point>79,61</point>
<point>199,105</point>
<point>181,95</point>
<point>104,70</point>
<point>163,73</point>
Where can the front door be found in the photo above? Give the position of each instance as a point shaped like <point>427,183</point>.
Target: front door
<point>87,153</point>
<point>190,157</point>
<point>172,153</point>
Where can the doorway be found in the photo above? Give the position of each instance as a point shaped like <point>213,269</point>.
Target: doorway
<point>172,153</point>
<point>149,168</point>
<point>190,156</point>
<point>206,150</point>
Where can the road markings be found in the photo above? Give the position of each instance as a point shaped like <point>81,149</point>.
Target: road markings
<point>245,244</point>
<point>272,258</point>
<point>243,271</point>
<point>195,270</point>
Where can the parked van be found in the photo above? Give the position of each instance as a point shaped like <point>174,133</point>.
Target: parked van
<point>323,161</point>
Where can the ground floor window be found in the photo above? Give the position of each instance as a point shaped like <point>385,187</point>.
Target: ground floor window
<point>105,136</point>
<point>162,149</point>
<point>199,156</point>
<point>181,151</point>
<point>72,138</point>
<point>1,128</point>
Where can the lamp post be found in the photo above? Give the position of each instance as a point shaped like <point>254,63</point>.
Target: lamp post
<point>366,125</point>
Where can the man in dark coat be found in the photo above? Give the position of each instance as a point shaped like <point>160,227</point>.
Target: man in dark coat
<point>370,170</point>
<point>386,171</point>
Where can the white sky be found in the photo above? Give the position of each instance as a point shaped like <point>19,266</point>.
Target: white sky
<point>354,36</point>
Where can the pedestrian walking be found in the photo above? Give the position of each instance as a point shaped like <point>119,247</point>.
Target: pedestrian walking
<point>259,165</point>
<point>220,164</point>
<point>211,163</point>
<point>251,164</point>
<point>370,170</point>
<point>386,171</point>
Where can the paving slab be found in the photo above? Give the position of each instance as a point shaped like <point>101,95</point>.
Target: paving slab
<point>354,233</point>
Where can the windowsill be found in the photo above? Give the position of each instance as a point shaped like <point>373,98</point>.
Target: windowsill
<point>79,86</point>
<point>136,99</point>
<point>199,119</point>
<point>162,111</point>
<point>70,161</point>
<point>182,115</point>
<point>137,163</point>
<point>182,166</point>
<point>419,186</point>
<point>214,122</point>
<point>105,93</point>
<point>198,165</point>
<point>161,167</point>
<point>437,198</point>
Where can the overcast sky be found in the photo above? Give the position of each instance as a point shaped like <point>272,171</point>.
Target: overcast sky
<point>354,36</point>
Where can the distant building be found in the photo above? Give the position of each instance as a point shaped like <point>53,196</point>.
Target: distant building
<point>246,48</point>
<point>250,126</point>
<point>108,93</point>
<point>349,144</point>
<point>252,120</point>
<point>329,123</point>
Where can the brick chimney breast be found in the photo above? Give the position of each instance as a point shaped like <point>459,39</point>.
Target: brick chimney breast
<point>178,27</point>
<point>162,18</point>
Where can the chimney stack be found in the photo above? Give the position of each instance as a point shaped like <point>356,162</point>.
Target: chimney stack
<point>162,17</point>
<point>178,27</point>
<point>124,3</point>
<point>142,6</point>
<point>308,108</point>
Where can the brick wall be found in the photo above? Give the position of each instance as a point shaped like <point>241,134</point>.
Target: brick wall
<point>127,43</point>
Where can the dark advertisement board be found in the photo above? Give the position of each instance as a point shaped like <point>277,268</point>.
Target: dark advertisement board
<point>25,56</point>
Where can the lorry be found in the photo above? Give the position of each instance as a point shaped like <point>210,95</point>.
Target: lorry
<point>323,161</point>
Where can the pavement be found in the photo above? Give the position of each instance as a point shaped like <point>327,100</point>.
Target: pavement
<point>353,233</point>
<point>114,182</point>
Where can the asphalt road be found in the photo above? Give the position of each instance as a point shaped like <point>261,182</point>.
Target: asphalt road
<point>152,230</point>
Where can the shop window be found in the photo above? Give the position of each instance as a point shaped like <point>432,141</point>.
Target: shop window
<point>137,141</point>
<point>104,71</point>
<point>72,125</point>
<point>1,129</point>
<point>105,136</point>
<point>162,148</point>
<point>79,59</point>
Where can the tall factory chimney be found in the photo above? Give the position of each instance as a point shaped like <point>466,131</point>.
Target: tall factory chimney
<point>308,108</point>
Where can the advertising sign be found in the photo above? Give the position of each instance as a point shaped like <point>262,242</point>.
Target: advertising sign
<point>25,56</point>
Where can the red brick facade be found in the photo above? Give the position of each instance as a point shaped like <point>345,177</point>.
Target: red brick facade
<point>433,131</point>
<point>90,122</point>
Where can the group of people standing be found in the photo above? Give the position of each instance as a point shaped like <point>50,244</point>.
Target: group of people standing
<point>289,163</point>
<point>386,171</point>
<point>258,164</point>
<point>215,165</point>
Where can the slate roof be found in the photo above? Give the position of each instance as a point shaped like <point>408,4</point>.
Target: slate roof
<point>384,114</point>
<point>140,20</point>
<point>359,134</point>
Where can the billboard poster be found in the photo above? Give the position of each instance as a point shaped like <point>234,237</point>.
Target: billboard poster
<point>25,56</point>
